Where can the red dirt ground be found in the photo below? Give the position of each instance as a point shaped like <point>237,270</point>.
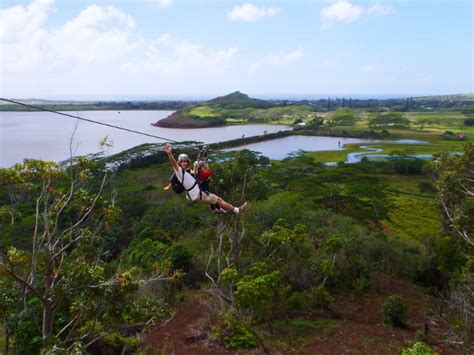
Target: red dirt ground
<point>360,331</point>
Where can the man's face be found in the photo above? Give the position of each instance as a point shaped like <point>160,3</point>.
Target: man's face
<point>184,164</point>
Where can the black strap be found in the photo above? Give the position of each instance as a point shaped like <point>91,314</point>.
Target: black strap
<point>192,187</point>
<point>182,181</point>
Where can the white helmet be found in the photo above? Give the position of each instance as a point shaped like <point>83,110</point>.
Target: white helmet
<point>183,157</point>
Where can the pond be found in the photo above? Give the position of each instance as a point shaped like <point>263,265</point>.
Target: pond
<point>280,148</point>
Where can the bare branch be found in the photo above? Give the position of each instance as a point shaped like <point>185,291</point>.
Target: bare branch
<point>22,281</point>
<point>207,267</point>
<point>463,234</point>
<point>80,220</point>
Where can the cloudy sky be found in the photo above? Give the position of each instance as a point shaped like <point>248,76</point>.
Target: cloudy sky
<point>124,49</point>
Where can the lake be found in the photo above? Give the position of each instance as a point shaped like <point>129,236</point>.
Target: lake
<point>44,135</point>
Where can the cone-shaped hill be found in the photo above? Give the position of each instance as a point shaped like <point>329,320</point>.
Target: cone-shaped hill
<point>232,108</point>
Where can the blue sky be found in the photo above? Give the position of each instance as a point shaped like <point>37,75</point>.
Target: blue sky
<point>71,49</point>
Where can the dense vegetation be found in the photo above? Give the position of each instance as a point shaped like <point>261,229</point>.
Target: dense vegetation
<point>93,257</point>
<point>98,105</point>
<point>238,108</point>
<point>111,255</point>
<point>238,100</point>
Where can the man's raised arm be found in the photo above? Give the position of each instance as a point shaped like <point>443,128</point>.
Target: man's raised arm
<point>167,149</point>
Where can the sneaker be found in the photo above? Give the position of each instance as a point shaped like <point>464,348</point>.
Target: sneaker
<point>243,208</point>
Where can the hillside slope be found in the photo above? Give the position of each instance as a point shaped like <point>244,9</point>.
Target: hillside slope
<point>351,325</point>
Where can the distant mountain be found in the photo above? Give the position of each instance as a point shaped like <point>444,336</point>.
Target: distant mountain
<point>236,96</point>
<point>213,112</point>
<point>239,100</point>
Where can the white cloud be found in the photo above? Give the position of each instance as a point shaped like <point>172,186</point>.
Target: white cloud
<point>379,10</point>
<point>98,35</point>
<point>162,3</point>
<point>168,54</point>
<point>276,59</point>
<point>346,12</point>
<point>285,58</point>
<point>98,50</point>
<point>20,21</point>
<point>342,11</point>
<point>250,13</point>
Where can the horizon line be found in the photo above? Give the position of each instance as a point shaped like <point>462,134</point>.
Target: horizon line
<point>201,97</point>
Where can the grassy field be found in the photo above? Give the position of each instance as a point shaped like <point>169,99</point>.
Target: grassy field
<point>426,126</point>
<point>413,214</point>
<point>203,111</point>
<point>275,115</point>
<point>336,155</point>
<point>2,339</point>
<point>388,148</point>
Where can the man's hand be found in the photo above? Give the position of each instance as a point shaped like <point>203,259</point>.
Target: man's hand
<point>167,148</point>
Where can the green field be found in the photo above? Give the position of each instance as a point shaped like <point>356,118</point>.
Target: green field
<point>426,126</point>
<point>203,111</point>
<point>413,214</point>
<point>274,115</point>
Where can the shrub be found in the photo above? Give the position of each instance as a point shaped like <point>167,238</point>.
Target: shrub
<point>296,301</point>
<point>469,122</point>
<point>240,337</point>
<point>427,187</point>
<point>419,348</point>
<point>320,297</point>
<point>395,311</point>
<point>179,256</point>
<point>237,333</point>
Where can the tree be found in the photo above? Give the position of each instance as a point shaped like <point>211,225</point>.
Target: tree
<point>344,117</point>
<point>261,292</point>
<point>455,183</point>
<point>17,188</point>
<point>389,119</point>
<point>63,273</point>
<point>237,177</point>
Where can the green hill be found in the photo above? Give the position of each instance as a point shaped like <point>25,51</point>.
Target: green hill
<point>237,100</point>
<point>234,108</point>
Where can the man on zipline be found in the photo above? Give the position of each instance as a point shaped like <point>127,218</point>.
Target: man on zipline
<point>191,185</point>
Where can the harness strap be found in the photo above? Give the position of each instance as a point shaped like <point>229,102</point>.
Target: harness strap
<point>192,187</point>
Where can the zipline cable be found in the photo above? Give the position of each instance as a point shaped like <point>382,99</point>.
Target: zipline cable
<point>88,120</point>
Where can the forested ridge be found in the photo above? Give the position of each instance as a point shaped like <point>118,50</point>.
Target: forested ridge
<point>99,261</point>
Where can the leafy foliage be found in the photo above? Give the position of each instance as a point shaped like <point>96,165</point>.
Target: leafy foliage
<point>313,232</point>
<point>389,119</point>
<point>395,311</point>
<point>261,294</point>
<point>419,348</point>
<point>344,117</point>
<point>455,184</point>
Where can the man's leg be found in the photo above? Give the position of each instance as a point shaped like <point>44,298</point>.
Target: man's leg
<point>212,199</point>
<point>228,207</point>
